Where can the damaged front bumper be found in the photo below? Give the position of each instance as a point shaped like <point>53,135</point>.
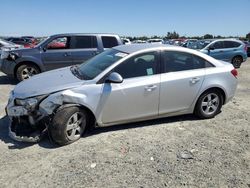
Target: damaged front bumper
<point>22,138</point>
<point>25,125</point>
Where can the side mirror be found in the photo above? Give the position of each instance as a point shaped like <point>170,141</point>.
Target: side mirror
<point>211,48</point>
<point>44,49</point>
<point>114,77</point>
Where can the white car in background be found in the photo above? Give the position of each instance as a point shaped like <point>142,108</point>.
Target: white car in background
<point>139,41</point>
<point>156,41</point>
<point>7,45</point>
<point>126,41</point>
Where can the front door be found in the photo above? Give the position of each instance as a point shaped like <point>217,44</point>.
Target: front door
<point>138,95</point>
<point>219,51</point>
<point>57,53</point>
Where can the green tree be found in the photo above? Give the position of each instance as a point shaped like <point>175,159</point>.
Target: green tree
<point>208,36</point>
<point>248,36</point>
<point>172,35</point>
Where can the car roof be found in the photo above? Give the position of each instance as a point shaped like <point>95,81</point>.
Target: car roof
<point>80,34</point>
<point>139,47</point>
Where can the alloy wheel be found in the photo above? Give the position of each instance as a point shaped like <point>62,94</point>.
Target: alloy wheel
<point>28,72</point>
<point>210,103</point>
<point>74,126</point>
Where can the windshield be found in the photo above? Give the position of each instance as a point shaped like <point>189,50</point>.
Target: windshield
<point>94,66</point>
<point>5,43</point>
<point>41,40</point>
<point>199,44</point>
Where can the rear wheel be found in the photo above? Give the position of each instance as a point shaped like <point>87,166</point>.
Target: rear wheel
<point>26,71</point>
<point>209,104</point>
<point>236,61</point>
<point>68,125</point>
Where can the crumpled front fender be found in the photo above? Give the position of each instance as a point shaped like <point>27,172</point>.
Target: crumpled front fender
<point>51,103</point>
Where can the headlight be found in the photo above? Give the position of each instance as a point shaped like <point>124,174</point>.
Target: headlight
<point>13,56</point>
<point>4,54</point>
<point>29,103</point>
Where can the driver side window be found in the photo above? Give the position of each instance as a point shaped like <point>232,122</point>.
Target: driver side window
<point>141,65</point>
<point>59,43</point>
<point>218,45</point>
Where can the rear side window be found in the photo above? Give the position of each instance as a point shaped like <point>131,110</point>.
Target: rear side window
<point>174,61</point>
<point>109,42</point>
<point>85,42</point>
<point>231,44</point>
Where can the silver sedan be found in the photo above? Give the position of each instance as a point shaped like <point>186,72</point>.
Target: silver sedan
<point>124,84</point>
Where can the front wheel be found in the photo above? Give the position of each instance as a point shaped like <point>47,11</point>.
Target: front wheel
<point>68,125</point>
<point>209,104</point>
<point>25,71</point>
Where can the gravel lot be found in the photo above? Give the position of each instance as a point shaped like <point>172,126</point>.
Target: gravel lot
<point>148,154</point>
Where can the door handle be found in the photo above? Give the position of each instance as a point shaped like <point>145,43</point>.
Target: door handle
<point>95,53</point>
<point>194,80</point>
<point>66,54</point>
<point>150,87</point>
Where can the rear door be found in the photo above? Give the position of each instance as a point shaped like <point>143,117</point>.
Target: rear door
<point>57,53</point>
<point>231,49</point>
<point>84,47</point>
<point>181,81</point>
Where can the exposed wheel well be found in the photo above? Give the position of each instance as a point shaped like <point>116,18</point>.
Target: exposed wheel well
<point>25,63</point>
<point>91,121</point>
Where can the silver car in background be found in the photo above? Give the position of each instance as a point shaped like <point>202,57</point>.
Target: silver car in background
<point>124,84</point>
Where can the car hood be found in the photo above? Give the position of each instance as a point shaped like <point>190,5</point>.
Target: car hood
<point>46,83</point>
<point>24,51</point>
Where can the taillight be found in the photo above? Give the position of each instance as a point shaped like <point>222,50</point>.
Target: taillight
<point>245,48</point>
<point>234,73</point>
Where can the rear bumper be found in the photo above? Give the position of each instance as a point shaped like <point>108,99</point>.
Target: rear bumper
<point>7,67</point>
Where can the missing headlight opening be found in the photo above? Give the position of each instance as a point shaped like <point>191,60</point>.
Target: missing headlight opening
<point>27,123</point>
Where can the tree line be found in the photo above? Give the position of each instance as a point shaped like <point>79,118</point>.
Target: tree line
<point>175,35</point>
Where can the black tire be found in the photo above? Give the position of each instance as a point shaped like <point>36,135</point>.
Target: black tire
<point>236,61</point>
<point>213,106</point>
<point>25,71</point>
<point>60,129</point>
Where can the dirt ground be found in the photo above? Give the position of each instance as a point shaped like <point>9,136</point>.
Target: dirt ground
<point>181,151</point>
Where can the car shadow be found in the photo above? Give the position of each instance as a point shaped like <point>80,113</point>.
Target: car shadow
<point>6,80</point>
<point>155,122</point>
<point>48,144</point>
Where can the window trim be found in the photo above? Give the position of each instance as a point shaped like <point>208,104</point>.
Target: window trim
<point>103,36</point>
<point>73,42</point>
<point>239,44</point>
<point>163,67</point>
<point>158,68</point>
<point>223,45</point>
<point>68,42</point>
